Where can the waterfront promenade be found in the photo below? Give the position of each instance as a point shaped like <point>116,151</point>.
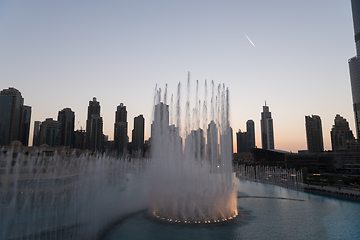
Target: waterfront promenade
<point>348,193</point>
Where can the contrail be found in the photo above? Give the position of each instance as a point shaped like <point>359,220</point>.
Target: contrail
<point>249,39</point>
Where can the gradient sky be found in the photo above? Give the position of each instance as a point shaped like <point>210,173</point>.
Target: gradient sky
<point>63,53</point>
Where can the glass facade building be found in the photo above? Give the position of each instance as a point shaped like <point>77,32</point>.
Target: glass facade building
<point>354,65</point>
<point>267,129</point>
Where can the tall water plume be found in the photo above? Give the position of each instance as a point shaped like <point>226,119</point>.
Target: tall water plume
<point>192,180</point>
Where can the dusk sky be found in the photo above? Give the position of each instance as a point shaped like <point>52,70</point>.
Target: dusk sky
<point>291,54</point>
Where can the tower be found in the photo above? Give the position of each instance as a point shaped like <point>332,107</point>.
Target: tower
<point>250,135</point>
<point>354,66</point>
<point>340,133</point>
<point>241,140</point>
<point>138,135</point>
<point>267,130</point>
<point>161,117</point>
<point>25,125</point>
<point>36,137</point>
<point>14,117</point>
<point>50,132</point>
<point>94,127</point>
<point>120,130</point>
<point>67,119</point>
<point>314,136</point>
<point>212,146</point>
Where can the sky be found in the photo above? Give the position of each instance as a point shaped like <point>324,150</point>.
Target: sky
<point>291,54</point>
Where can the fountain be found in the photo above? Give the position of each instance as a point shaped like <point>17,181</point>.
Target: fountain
<point>289,178</point>
<point>192,184</point>
<point>49,194</point>
<point>64,194</point>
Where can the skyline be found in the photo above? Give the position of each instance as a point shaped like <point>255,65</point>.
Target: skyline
<point>59,54</point>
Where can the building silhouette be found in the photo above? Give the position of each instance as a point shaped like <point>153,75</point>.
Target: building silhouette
<point>212,142</point>
<point>94,127</point>
<point>14,117</point>
<point>161,118</point>
<point>250,132</point>
<point>354,66</point>
<point>138,135</point>
<point>36,134</point>
<point>120,130</point>
<point>267,129</point>
<point>241,141</point>
<point>245,141</point>
<point>79,139</point>
<point>341,135</point>
<point>50,132</point>
<point>314,135</point>
<point>195,144</point>
<point>67,119</point>
<point>25,125</point>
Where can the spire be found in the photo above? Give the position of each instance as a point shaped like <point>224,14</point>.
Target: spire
<point>265,103</point>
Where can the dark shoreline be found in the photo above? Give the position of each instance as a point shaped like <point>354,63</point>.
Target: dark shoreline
<point>334,194</point>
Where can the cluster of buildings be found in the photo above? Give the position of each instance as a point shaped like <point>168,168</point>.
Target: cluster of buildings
<point>345,154</point>
<point>15,126</point>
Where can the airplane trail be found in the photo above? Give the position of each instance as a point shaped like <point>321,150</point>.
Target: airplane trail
<point>249,39</point>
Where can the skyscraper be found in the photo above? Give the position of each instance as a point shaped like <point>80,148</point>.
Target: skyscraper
<point>120,130</point>
<point>340,133</point>
<point>138,135</point>
<point>246,140</point>
<point>36,138</point>
<point>241,140</point>
<point>94,127</point>
<point>314,134</point>
<point>250,134</point>
<point>354,65</point>
<point>195,144</point>
<point>267,130</point>
<point>14,117</point>
<point>161,117</point>
<point>50,132</point>
<point>67,119</point>
<point>212,145</point>
<point>25,125</point>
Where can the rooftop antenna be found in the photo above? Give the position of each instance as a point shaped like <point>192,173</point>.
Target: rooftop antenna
<point>265,103</point>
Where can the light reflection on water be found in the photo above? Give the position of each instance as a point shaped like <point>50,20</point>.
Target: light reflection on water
<point>279,215</point>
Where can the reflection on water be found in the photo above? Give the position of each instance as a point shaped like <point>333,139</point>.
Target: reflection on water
<point>274,215</point>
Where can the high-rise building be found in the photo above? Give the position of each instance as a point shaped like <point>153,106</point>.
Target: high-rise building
<point>267,129</point>
<point>120,130</point>
<point>341,135</point>
<point>79,139</point>
<point>354,65</point>
<point>241,140</point>
<point>67,119</point>
<point>94,127</point>
<point>161,118</point>
<point>314,135</point>
<point>212,145</point>
<point>138,135</point>
<point>14,117</point>
<point>50,132</point>
<point>250,134</point>
<point>36,138</point>
<point>25,125</point>
<point>195,144</point>
<point>246,140</point>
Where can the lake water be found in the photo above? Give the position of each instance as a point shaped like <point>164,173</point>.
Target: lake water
<point>275,213</point>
